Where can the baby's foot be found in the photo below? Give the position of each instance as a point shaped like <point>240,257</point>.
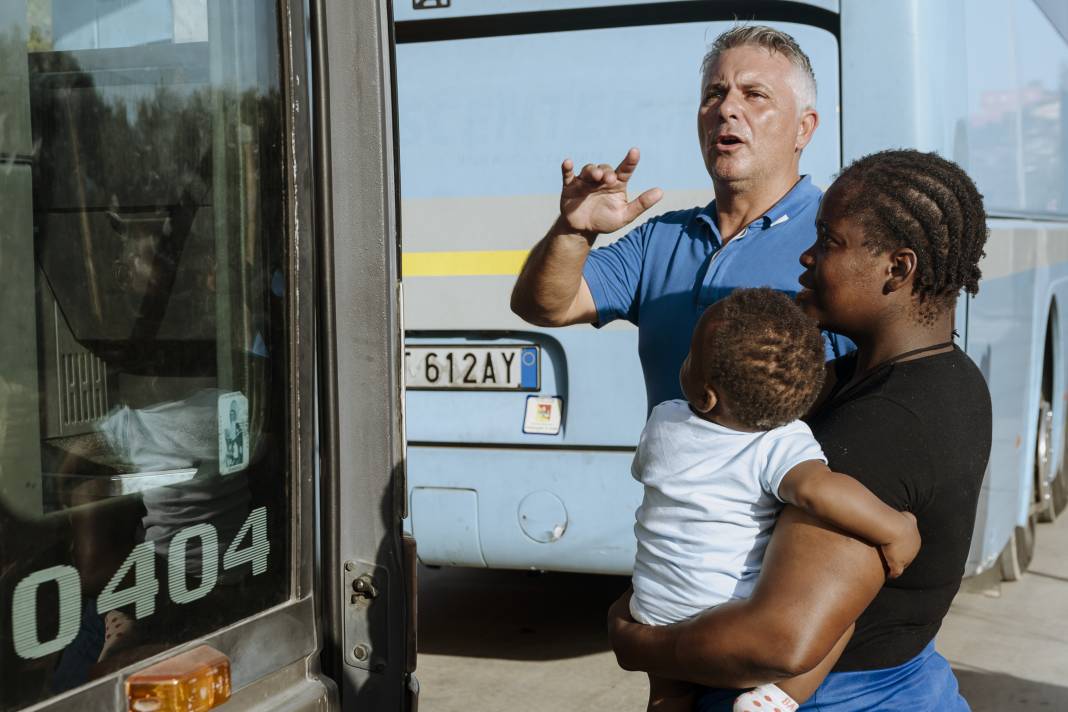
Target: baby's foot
<point>766,698</point>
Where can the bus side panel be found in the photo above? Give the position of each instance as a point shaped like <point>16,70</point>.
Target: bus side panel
<point>1023,271</point>
<point>904,78</point>
<point>560,510</point>
<point>977,83</point>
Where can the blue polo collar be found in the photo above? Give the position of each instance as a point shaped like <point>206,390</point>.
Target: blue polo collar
<point>790,204</point>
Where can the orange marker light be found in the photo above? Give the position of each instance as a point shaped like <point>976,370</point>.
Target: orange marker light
<point>195,681</point>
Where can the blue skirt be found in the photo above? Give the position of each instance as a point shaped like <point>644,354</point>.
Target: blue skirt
<point>924,683</point>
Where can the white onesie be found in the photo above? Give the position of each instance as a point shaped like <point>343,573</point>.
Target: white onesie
<point>711,500</point>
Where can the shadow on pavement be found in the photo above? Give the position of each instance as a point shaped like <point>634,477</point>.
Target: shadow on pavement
<point>1052,577</point>
<point>525,616</point>
<point>996,692</point>
<point>514,615</point>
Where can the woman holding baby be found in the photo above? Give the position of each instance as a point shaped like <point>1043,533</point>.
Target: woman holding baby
<point>900,234</point>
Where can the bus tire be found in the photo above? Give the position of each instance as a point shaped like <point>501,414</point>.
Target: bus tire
<point>1059,491</point>
<point>1016,556</point>
<point>1045,505</point>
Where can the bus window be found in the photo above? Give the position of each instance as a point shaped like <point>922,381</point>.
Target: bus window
<point>143,440</point>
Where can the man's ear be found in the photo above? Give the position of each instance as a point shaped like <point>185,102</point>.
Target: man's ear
<point>810,119</point>
<point>900,269</point>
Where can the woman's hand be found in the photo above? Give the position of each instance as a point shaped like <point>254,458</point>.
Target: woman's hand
<point>814,583</point>
<point>619,612</point>
<point>667,695</point>
<point>629,638</point>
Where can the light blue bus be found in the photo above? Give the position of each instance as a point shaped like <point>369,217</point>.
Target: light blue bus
<point>511,468</point>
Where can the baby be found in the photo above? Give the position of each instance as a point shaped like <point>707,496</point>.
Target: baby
<point>718,466</point>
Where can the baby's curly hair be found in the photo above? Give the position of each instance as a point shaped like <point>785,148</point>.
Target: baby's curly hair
<point>764,356</point>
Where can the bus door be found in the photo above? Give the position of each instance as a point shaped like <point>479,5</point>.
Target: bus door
<point>158,533</point>
<point>368,568</point>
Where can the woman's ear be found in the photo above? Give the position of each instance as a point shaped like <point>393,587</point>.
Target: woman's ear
<point>900,269</point>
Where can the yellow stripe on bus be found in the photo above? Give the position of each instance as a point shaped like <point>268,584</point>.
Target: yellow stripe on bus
<point>462,264</point>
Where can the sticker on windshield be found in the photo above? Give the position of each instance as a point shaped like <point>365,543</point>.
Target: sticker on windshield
<point>233,433</point>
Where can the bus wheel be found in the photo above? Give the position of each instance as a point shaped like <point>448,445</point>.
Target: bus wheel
<point>1017,554</point>
<point>1059,490</point>
<point>1045,505</point>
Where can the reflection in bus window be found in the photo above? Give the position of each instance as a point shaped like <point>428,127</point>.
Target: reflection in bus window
<point>142,412</point>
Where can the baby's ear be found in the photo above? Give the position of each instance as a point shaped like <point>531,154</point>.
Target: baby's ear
<point>708,401</point>
<point>712,396</point>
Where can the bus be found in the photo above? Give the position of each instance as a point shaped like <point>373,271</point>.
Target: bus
<point>529,467</point>
<point>201,475</point>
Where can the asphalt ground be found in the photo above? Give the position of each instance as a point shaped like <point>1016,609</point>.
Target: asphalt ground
<point>518,641</point>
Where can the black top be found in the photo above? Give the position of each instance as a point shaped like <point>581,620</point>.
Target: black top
<point>917,434</point>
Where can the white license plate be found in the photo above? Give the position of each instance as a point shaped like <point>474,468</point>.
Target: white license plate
<point>501,368</point>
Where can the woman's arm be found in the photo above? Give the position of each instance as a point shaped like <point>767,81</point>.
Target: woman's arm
<point>850,506</point>
<point>814,583</point>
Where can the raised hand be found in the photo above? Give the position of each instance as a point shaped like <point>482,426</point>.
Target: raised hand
<point>595,201</point>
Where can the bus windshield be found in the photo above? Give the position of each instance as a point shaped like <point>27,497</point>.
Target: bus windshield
<point>142,401</point>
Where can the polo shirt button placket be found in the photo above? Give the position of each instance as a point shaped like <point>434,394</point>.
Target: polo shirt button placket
<point>704,295</point>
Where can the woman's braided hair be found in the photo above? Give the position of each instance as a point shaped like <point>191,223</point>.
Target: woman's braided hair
<point>764,356</point>
<point>907,198</point>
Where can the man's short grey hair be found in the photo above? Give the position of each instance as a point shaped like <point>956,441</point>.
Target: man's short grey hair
<point>776,42</point>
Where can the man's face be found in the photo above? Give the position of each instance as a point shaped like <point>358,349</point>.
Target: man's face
<point>749,123</point>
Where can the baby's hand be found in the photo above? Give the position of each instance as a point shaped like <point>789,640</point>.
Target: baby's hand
<point>900,552</point>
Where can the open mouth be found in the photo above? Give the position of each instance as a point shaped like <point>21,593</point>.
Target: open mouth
<point>727,140</point>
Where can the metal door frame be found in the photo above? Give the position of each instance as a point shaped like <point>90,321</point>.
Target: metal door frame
<point>367,578</point>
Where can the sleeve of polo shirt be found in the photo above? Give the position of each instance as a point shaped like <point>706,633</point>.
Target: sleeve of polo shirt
<point>613,273</point>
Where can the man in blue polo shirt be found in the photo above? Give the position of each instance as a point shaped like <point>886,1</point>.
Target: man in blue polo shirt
<point>757,113</point>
